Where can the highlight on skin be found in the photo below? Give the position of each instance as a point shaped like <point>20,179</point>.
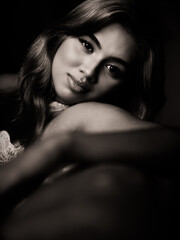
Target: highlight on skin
<point>140,94</point>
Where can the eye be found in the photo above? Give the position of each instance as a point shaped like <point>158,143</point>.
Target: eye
<point>86,45</point>
<point>114,71</point>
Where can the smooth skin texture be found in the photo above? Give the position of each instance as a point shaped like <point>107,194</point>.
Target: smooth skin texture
<point>94,117</point>
<point>87,67</point>
<point>102,201</point>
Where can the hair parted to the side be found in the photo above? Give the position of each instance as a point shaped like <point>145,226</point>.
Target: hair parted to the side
<point>143,98</point>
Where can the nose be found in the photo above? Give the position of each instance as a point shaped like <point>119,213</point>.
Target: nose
<point>89,70</point>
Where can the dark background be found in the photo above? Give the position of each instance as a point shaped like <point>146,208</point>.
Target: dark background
<point>21,21</point>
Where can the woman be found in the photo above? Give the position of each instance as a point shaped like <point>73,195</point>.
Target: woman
<point>138,82</point>
<point>102,51</point>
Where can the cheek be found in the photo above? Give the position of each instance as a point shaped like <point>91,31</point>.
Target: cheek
<point>106,83</point>
<point>69,55</point>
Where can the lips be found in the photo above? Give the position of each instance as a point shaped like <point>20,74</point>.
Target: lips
<point>78,86</point>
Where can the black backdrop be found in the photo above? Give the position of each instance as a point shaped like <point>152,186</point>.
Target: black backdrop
<point>21,21</point>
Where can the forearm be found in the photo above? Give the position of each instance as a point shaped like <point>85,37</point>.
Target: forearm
<point>155,149</point>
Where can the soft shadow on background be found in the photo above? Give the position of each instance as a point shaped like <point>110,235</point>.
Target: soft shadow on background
<point>21,21</point>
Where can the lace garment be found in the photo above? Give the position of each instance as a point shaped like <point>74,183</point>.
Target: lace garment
<point>9,151</point>
<point>57,107</point>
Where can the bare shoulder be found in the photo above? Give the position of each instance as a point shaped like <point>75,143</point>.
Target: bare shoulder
<point>93,109</point>
<point>94,117</point>
<point>101,117</point>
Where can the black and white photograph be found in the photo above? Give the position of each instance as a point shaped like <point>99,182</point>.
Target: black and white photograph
<point>90,120</point>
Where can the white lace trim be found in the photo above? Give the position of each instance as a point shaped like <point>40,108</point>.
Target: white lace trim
<point>8,151</point>
<point>57,107</point>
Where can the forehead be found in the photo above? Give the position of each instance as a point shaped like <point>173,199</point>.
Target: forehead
<point>117,42</point>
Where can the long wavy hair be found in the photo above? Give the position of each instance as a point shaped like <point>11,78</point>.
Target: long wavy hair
<point>143,96</point>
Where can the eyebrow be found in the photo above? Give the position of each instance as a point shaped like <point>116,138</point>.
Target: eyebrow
<point>114,59</point>
<point>92,36</point>
<point>119,60</point>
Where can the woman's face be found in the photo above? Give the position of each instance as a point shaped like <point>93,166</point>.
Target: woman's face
<point>90,66</point>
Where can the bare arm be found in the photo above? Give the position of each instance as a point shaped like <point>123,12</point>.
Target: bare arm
<point>93,117</point>
<point>155,150</point>
<point>23,174</point>
<point>127,141</point>
<point>117,135</point>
